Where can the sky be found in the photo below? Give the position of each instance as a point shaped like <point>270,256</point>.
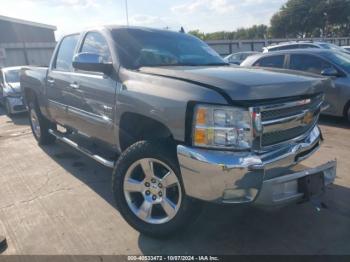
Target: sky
<point>205,15</point>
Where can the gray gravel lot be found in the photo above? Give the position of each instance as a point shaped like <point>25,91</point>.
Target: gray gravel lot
<point>55,201</point>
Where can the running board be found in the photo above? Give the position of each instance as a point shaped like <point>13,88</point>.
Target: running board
<point>83,150</point>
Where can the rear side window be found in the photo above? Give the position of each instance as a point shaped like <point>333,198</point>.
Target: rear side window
<point>65,53</point>
<point>308,63</point>
<point>271,61</point>
<point>95,43</point>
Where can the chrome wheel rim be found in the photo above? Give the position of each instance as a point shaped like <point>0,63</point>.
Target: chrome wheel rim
<point>152,191</point>
<point>35,123</point>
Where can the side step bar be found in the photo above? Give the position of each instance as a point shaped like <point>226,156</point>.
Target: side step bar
<point>83,150</point>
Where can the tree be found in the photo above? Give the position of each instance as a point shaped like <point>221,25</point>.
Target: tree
<point>309,18</point>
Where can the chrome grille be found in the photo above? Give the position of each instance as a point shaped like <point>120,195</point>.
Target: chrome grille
<point>289,111</point>
<point>282,122</point>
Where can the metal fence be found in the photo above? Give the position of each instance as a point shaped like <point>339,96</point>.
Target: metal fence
<point>226,47</point>
<point>14,54</point>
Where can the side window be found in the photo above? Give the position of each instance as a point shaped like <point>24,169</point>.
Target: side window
<point>308,63</point>
<point>307,46</point>
<point>271,61</point>
<point>65,53</point>
<point>97,44</point>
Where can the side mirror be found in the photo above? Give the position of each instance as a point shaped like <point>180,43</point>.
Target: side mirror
<point>91,62</point>
<point>332,72</point>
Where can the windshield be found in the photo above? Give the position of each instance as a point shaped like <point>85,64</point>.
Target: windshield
<point>12,76</point>
<point>340,59</point>
<point>141,47</point>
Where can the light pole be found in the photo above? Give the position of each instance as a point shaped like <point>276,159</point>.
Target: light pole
<point>127,12</point>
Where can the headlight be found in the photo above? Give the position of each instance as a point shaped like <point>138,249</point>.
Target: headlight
<point>221,127</point>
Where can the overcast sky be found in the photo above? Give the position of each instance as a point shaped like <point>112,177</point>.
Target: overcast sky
<point>205,15</point>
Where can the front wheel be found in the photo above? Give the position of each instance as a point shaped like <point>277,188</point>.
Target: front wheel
<point>148,190</point>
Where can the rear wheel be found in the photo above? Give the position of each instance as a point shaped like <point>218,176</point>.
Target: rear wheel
<point>149,192</point>
<point>40,125</point>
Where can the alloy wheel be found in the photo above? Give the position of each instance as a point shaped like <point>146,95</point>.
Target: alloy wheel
<point>152,191</point>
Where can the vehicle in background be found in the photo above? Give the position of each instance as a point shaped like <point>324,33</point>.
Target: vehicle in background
<point>10,90</point>
<point>347,48</point>
<point>303,45</point>
<point>238,58</point>
<point>333,64</point>
<point>178,124</point>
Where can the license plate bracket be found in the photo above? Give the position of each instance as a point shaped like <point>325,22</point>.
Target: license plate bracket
<point>311,185</point>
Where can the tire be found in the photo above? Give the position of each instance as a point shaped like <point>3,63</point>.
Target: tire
<point>40,125</point>
<point>347,113</point>
<point>7,107</point>
<point>133,202</point>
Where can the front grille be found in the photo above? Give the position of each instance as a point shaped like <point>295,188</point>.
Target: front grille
<point>290,111</point>
<point>283,135</point>
<point>282,122</point>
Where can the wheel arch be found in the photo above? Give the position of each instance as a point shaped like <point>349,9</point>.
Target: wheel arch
<point>134,127</point>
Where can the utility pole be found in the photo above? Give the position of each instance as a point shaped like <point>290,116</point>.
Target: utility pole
<point>127,12</point>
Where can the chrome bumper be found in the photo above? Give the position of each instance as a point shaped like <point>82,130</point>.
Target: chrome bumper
<point>245,177</point>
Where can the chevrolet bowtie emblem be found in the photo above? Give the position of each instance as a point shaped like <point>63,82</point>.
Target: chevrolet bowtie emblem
<point>307,119</point>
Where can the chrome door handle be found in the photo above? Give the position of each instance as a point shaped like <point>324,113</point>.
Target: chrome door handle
<point>51,81</point>
<point>74,85</point>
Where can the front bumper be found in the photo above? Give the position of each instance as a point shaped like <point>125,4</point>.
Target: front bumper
<point>269,179</point>
<point>16,104</point>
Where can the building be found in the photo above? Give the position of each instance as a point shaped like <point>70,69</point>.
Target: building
<point>25,43</point>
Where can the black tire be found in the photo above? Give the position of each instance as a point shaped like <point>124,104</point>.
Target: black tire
<point>188,209</point>
<point>44,138</point>
<point>7,107</point>
<point>347,112</point>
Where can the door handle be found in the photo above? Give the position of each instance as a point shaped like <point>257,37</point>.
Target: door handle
<point>51,81</point>
<point>74,85</point>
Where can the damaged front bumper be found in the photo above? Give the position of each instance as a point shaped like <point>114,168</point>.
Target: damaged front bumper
<point>276,178</point>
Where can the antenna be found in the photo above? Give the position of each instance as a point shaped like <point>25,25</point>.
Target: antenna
<point>127,12</point>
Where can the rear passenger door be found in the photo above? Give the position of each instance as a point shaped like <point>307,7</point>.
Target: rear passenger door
<point>59,79</point>
<point>94,114</point>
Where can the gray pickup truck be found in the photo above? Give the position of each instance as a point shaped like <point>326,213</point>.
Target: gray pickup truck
<point>177,124</point>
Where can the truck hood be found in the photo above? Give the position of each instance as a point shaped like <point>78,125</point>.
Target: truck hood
<point>244,84</point>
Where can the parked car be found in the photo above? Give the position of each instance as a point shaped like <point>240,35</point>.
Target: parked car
<point>304,45</point>
<point>318,61</point>
<point>10,90</point>
<point>238,58</point>
<point>347,48</point>
<point>186,125</point>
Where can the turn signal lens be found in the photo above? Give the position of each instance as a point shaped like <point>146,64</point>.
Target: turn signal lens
<point>201,116</point>
<point>200,136</point>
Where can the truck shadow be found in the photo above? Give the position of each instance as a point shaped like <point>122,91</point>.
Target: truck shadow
<point>17,119</point>
<point>297,229</point>
<point>334,121</point>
